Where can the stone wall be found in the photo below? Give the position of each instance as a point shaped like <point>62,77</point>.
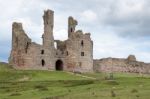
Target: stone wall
<point>30,55</point>
<point>73,54</point>
<point>20,45</point>
<point>80,53</point>
<point>129,64</point>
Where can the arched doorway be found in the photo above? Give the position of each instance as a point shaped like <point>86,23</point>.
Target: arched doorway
<point>59,65</point>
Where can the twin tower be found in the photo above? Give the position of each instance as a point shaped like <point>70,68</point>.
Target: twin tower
<point>74,54</point>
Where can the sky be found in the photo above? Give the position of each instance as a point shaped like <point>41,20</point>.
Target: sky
<point>118,27</point>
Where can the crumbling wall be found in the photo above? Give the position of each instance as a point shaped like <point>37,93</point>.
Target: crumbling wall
<point>76,52</point>
<point>61,45</point>
<point>71,26</point>
<point>20,45</point>
<point>29,55</point>
<point>121,65</point>
<point>79,47</point>
<point>48,38</point>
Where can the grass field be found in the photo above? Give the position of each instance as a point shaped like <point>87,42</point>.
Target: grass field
<point>62,85</point>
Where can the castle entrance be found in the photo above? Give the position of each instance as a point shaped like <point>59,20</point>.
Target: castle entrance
<point>59,65</point>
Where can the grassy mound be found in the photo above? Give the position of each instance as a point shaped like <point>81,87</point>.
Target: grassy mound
<point>8,74</point>
<point>18,84</point>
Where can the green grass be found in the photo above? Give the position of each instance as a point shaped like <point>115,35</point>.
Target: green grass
<point>18,84</point>
<point>8,74</point>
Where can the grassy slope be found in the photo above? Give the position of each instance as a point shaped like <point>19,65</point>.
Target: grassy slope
<point>60,85</point>
<point>9,74</point>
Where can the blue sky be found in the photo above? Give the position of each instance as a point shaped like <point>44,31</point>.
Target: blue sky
<point>118,27</point>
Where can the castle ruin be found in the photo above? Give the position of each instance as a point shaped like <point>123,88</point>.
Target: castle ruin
<point>73,54</point>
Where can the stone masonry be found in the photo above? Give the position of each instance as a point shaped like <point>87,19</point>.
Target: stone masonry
<point>74,54</point>
<point>130,65</point>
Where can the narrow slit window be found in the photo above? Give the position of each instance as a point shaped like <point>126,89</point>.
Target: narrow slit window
<point>43,63</point>
<point>42,51</point>
<point>67,53</point>
<point>82,43</point>
<point>17,41</point>
<point>27,47</point>
<point>82,53</point>
<point>71,30</point>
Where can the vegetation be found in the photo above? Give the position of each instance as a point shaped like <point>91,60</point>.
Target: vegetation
<point>18,84</point>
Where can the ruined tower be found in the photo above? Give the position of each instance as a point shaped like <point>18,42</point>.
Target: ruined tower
<point>48,39</point>
<point>20,45</point>
<point>71,25</point>
<point>79,48</point>
<point>73,54</point>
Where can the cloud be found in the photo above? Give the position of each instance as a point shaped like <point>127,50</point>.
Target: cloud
<point>128,18</point>
<point>111,45</point>
<point>60,34</point>
<point>118,27</point>
<point>88,16</point>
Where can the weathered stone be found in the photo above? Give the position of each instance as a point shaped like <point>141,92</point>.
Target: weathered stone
<point>121,65</point>
<point>131,58</point>
<point>73,54</point>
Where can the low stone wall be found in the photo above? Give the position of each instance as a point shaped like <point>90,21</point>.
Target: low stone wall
<point>121,65</point>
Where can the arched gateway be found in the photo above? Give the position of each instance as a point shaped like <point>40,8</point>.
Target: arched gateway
<point>59,65</point>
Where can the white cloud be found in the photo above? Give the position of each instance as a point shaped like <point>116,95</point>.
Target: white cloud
<point>88,16</point>
<point>60,34</point>
<point>129,7</point>
<point>111,45</point>
<point>33,30</point>
<point>104,19</point>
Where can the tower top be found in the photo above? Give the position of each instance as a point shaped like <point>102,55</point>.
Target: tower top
<point>72,21</point>
<point>48,19</point>
<point>71,25</point>
<point>47,12</point>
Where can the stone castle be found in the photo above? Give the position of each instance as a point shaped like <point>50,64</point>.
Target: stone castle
<point>74,54</point>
